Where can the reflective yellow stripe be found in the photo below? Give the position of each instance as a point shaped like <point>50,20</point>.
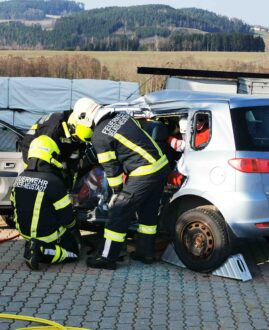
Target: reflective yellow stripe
<point>13,200</point>
<point>62,203</point>
<point>114,236</point>
<point>72,224</point>
<point>152,140</point>
<point>106,156</point>
<point>57,254</point>
<point>12,196</point>
<point>66,130</point>
<point>155,144</point>
<point>36,212</point>
<point>149,169</point>
<point>149,230</point>
<point>116,181</point>
<point>130,145</point>
<point>136,122</point>
<point>50,238</point>
<point>64,255</point>
<point>25,165</point>
<point>65,140</point>
<point>32,130</point>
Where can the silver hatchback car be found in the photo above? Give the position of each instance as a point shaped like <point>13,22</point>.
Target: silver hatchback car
<point>226,191</point>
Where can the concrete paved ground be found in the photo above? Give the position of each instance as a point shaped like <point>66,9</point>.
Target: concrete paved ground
<point>135,296</point>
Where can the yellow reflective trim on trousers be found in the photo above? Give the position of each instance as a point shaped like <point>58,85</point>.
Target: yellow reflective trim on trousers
<point>66,130</point>
<point>149,230</point>
<point>149,169</point>
<point>105,157</point>
<point>130,145</point>
<point>116,181</point>
<point>36,212</point>
<point>34,126</point>
<point>13,200</point>
<point>64,255</point>
<point>62,203</point>
<point>114,236</point>
<point>12,196</point>
<point>50,238</point>
<point>57,254</point>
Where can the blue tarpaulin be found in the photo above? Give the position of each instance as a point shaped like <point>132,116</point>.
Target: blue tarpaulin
<point>23,100</point>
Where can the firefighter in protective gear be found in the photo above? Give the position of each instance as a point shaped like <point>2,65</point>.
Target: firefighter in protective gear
<point>55,126</point>
<point>123,148</point>
<point>42,207</point>
<point>64,129</point>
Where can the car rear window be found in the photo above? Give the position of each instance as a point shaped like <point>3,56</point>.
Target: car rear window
<point>251,128</point>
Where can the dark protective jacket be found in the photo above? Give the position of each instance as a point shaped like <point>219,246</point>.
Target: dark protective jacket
<point>42,206</point>
<point>53,125</point>
<point>124,148</point>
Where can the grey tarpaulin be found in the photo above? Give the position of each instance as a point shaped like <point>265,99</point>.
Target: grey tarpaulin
<point>4,92</point>
<point>23,100</point>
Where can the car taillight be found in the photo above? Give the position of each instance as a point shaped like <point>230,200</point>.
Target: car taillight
<point>262,225</point>
<point>250,165</point>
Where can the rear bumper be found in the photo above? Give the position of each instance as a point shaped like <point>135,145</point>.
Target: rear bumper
<point>242,211</point>
<point>249,230</point>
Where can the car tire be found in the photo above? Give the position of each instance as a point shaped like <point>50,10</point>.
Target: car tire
<point>201,239</point>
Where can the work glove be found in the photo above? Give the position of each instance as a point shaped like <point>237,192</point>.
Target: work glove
<point>114,196</point>
<point>177,144</point>
<point>112,200</point>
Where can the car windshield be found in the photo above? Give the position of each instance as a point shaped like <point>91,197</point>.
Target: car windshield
<point>251,128</point>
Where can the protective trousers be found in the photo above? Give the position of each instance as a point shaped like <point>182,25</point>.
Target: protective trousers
<point>140,194</point>
<point>65,249</point>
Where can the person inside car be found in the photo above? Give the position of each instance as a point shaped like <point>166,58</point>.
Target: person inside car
<point>202,130</point>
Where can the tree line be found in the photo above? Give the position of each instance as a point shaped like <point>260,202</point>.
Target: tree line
<point>149,27</point>
<point>37,9</point>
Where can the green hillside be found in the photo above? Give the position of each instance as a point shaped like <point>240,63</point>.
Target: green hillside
<point>37,9</point>
<point>148,27</point>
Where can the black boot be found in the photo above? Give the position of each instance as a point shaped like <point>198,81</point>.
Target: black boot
<point>107,254</point>
<point>101,262</point>
<point>144,248</point>
<point>32,253</point>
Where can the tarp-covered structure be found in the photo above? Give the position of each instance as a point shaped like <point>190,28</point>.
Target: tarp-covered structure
<point>23,100</point>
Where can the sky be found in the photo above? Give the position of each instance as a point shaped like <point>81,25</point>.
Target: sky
<point>253,12</point>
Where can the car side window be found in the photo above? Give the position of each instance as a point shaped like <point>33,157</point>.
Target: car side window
<point>201,130</point>
<point>9,141</point>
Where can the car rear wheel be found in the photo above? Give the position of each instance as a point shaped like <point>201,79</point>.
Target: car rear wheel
<point>201,239</point>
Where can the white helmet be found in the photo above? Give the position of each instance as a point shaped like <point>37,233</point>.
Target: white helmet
<point>183,125</point>
<point>84,111</point>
